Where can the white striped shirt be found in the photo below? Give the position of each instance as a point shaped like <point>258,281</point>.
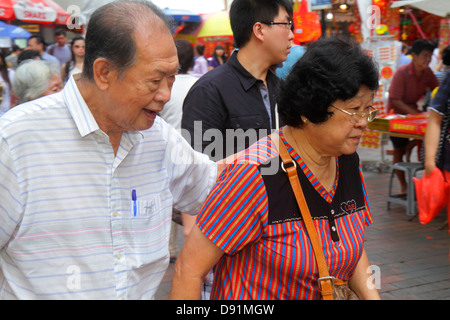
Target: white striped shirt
<point>67,223</point>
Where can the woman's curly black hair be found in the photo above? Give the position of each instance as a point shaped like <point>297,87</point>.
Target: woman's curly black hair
<point>330,70</point>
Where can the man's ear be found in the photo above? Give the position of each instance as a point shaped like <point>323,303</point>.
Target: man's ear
<point>258,31</point>
<point>103,73</point>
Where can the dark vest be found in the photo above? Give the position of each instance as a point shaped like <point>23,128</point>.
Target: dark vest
<point>349,196</point>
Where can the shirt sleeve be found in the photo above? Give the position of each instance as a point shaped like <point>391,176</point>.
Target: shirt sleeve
<point>434,82</point>
<point>11,208</point>
<point>439,103</point>
<point>191,174</point>
<point>203,115</point>
<point>396,88</point>
<point>235,212</point>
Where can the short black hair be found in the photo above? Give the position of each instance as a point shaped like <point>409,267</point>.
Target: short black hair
<point>245,13</point>
<point>110,33</point>
<point>422,44</point>
<point>28,54</point>
<point>60,32</point>
<point>446,56</point>
<point>330,70</point>
<point>39,39</point>
<point>200,49</point>
<point>185,52</point>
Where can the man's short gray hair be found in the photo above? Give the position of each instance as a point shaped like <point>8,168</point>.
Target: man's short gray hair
<point>110,33</point>
<point>32,79</point>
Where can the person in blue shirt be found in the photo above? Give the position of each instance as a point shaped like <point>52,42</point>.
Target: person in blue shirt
<point>296,53</point>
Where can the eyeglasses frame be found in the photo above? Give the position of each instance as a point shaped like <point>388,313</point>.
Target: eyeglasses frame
<point>363,115</point>
<point>273,23</point>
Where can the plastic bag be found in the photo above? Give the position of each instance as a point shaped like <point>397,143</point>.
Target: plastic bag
<point>431,194</point>
<point>307,26</point>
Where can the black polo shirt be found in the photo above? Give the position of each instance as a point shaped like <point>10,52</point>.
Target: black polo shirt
<point>224,111</point>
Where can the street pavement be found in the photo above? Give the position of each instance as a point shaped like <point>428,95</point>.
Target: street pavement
<point>411,259</point>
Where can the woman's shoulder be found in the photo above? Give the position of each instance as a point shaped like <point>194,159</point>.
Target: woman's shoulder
<point>259,153</point>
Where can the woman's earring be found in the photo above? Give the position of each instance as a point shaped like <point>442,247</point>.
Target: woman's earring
<point>305,120</point>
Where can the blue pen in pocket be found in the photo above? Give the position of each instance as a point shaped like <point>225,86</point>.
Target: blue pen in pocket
<point>134,198</point>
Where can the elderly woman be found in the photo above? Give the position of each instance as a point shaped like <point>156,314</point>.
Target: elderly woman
<point>35,79</point>
<point>251,228</point>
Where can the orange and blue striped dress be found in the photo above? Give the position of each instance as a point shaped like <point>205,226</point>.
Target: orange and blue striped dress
<point>252,215</point>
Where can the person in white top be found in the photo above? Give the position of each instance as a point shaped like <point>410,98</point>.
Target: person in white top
<point>6,77</point>
<point>173,109</point>
<point>75,64</point>
<point>90,174</point>
<point>200,64</point>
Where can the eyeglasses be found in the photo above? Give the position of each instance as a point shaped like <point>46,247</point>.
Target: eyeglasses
<point>357,117</point>
<point>287,24</point>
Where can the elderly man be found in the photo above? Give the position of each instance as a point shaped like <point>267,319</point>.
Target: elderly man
<point>90,174</point>
<point>409,85</point>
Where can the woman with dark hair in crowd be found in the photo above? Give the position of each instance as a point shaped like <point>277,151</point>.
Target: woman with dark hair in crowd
<point>75,64</point>
<point>200,63</point>
<point>7,75</point>
<point>251,227</point>
<point>218,57</point>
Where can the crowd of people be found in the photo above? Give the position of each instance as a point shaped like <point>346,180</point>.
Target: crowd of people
<point>147,129</point>
<point>23,78</point>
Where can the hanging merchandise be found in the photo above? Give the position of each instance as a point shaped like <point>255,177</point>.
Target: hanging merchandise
<point>386,53</point>
<point>444,33</point>
<point>307,26</point>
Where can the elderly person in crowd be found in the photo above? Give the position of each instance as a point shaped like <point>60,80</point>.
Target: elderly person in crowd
<point>251,228</point>
<point>35,79</point>
<point>89,175</point>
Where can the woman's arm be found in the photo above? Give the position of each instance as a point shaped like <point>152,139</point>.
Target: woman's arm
<point>198,256</point>
<point>432,140</point>
<point>361,281</point>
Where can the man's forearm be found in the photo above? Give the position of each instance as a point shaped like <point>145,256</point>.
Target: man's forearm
<point>403,108</point>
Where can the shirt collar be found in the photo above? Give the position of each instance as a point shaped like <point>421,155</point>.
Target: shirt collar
<point>78,108</point>
<point>246,78</point>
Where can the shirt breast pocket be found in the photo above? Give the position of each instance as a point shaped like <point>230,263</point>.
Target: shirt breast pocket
<point>148,232</point>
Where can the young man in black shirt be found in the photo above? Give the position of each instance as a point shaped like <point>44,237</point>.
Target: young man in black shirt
<point>232,106</point>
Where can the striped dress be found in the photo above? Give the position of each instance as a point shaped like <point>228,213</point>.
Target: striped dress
<point>251,214</point>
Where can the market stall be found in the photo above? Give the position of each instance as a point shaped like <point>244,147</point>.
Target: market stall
<point>36,11</point>
<point>214,29</point>
<point>441,14</point>
<point>402,126</point>
<point>10,34</point>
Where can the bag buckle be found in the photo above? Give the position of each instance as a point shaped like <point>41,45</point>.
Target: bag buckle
<point>331,278</point>
<point>294,164</point>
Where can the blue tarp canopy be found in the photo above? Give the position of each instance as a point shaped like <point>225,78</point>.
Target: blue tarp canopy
<point>13,32</point>
<point>181,15</point>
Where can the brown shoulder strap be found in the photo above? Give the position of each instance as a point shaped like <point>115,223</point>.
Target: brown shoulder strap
<point>326,283</point>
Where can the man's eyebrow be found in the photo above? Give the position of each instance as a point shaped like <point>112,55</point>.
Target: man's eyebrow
<point>164,73</point>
